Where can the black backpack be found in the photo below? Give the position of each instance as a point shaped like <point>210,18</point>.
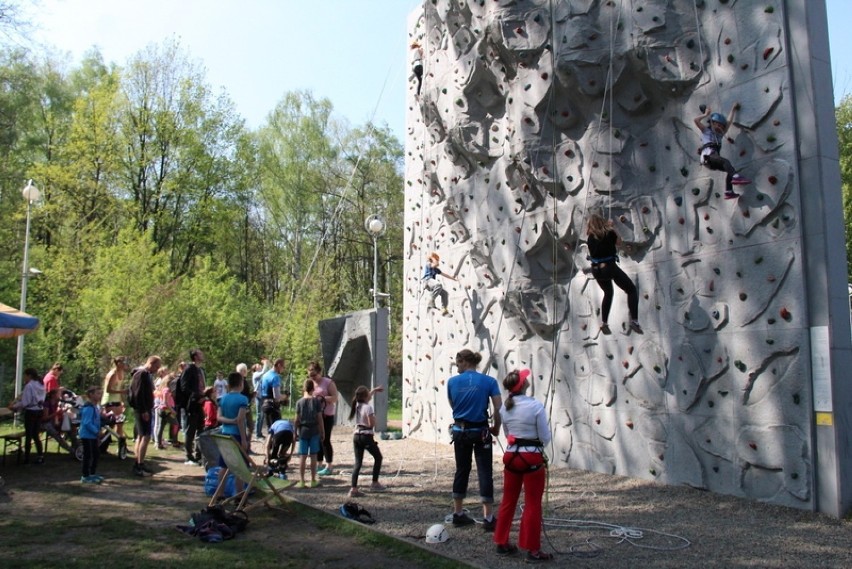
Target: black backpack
<point>134,386</point>
<point>181,391</point>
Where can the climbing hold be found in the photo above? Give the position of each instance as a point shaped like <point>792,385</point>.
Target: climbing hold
<point>773,180</point>
<point>629,424</point>
<point>767,52</point>
<point>785,314</point>
<point>740,366</point>
<point>678,201</point>
<point>753,445</point>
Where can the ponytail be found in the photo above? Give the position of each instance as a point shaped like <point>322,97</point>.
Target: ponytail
<point>510,402</point>
<point>361,395</point>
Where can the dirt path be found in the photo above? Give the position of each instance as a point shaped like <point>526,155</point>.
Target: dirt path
<point>681,527</point>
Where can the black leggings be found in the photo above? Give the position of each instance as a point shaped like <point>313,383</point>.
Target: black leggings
<point>366,443</point>
<point>607,273</point>
<point>327,450</point>
<point>90,456</point>
<point>716,162</point>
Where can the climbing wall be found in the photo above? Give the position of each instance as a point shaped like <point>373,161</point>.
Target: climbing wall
<point>534,114</point>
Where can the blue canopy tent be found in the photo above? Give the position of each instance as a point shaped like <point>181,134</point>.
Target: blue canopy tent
<point>14,323</point>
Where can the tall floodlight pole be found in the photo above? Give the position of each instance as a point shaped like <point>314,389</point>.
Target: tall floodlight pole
<point>375,226</point>
<point>31,194</point>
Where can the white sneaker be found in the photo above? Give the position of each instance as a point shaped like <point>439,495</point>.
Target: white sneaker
<point>191,463</point>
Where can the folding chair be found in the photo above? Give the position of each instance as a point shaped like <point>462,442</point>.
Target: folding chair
<point>237,463</point>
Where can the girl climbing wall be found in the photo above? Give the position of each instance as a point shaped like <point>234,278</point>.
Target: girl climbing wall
<point>712,135</point>
<point>602,242</point>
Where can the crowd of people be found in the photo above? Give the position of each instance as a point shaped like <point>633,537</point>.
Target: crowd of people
<point>164,401</point>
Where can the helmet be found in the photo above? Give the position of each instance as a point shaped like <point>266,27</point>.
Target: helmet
<point>719,118</point>
<point>437,534</point>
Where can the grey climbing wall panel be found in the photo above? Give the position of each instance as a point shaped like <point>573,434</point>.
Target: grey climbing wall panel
<point>534,114</point>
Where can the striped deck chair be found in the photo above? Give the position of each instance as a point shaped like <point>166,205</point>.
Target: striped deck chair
<point>238,464</point>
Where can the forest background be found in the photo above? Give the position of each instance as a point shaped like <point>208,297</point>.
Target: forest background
<point>167,223</point>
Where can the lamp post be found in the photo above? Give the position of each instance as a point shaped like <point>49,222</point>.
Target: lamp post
<point>31,194</point>
<point>375,226</point>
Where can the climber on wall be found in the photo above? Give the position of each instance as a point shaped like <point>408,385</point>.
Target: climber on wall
<point>417,64</point>
<point>603,241</point>
<point>712,135</point>
<point>430,280</point>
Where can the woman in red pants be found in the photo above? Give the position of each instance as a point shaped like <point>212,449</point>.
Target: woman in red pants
<point>527,433</point>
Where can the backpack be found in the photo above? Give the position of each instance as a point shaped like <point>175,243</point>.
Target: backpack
<point>352,511</point>
<point>181,390</point>
<point>134,387</point>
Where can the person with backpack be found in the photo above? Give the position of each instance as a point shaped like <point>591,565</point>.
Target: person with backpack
<point>311,432</point>
<point>141,399</point>
<point>190,392</point>
<point>270,393</point>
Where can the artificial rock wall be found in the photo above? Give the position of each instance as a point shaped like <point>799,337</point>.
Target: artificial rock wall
<point>534,114</point>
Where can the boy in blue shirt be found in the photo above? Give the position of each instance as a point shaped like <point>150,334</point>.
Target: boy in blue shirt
<point>233,409</point>
<point>90,428</point>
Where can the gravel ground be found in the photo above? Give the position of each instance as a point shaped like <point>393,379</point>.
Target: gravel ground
<point>593,520</point>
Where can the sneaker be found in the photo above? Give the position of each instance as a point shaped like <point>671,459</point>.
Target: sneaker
<point>538,556</point>
<point>731,195</point>
<point>444,311</point>
<point>325,472</point>
<point>145,468</point>
<point>489,525</point>
<point>190,462</point>
<point>505,550</point>
<point>355,493</point>
<point>740,180</point>
<point>462,519</point>
<point>137,470</point>
<point>377,487</point>
<point>605,329</point>
<point>315,484</point>
<point>634,325</point>
<point>89,480</point>
<point>301,485</point>
<point>98,478</point>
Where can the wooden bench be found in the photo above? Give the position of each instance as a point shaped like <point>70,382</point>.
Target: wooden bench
<point>12,440</point>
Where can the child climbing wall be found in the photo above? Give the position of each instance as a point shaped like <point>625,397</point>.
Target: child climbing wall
<point>712,135</point>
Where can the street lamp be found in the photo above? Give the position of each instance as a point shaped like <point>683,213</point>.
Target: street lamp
<point>31,194</point>
<point>375,226</point>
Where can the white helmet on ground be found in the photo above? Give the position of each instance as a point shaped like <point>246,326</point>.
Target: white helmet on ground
<point>437,534</point>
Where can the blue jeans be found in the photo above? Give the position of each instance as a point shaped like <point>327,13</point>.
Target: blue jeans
<point>475,442</point>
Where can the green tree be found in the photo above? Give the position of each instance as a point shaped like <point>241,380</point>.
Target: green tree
<point>843,115</point>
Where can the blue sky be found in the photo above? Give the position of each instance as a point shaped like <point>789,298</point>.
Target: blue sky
<point>352,52</point>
